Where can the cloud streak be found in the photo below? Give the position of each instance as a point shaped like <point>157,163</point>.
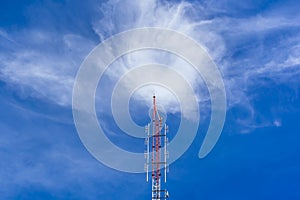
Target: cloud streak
<point>44,64</point>
<point>244,47</point>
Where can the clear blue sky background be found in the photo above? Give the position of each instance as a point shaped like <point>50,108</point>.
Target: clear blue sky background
<point>256,45</point>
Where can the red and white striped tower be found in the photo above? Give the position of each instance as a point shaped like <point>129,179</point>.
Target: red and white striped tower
<point>155,138</point>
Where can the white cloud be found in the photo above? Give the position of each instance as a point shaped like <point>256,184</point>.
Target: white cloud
<point>261,23</point>
<point>45,63</point>
<point>124,15</point>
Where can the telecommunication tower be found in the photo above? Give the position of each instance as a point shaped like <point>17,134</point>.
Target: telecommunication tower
<point>156,160</point>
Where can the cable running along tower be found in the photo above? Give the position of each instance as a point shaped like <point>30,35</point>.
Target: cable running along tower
<point>156,160</point>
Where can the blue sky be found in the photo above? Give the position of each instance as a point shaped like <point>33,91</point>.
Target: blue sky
<point>256,46</point>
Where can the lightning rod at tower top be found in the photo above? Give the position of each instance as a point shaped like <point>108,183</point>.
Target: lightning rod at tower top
<point>156,159</point>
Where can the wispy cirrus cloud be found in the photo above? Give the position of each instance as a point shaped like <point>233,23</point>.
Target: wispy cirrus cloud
<point>244,45</point>
<point>43,63</point>
<point>247,47</point>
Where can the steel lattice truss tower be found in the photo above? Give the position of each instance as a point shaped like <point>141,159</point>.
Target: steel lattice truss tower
<point>156,140</point>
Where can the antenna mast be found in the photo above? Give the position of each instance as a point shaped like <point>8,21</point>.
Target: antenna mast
<point>156,136</point>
